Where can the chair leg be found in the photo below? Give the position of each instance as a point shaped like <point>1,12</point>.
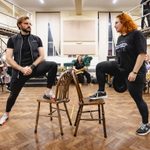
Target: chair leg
<point>78,119</point>
<point>59,119</point>
<point>67,113</point>
<point>148,86</point>
<point>99,114</point>
<point>104,124</point>
<point>1,83</point>
<point>2,88</point>
<point>37,117</point>
<point>50,108</point>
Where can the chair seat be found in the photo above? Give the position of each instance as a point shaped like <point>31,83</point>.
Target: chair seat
<point>41,99</point>
<point>87,101</point>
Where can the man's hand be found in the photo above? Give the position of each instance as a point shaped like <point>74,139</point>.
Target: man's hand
<point>26,70</point>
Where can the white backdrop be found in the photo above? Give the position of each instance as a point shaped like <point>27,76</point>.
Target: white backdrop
<point>42,20</point>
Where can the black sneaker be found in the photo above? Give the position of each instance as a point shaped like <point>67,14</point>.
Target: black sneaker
<point>98,95</point>
<point>143,130</point>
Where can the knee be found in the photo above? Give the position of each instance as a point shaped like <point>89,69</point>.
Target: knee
<point>54,65</point>
<point>99,66</point>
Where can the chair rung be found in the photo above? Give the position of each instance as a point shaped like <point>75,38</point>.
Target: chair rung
<point>88,111</point>
<point>91,119</point>
<point>48,116</point>
<point>52,112</point>
<point>59,109</point>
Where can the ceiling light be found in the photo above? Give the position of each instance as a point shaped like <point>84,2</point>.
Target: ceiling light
<point>42,1</point>
<point>114,1</point>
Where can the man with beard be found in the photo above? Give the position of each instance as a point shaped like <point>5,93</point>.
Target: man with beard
<point>25,54</point>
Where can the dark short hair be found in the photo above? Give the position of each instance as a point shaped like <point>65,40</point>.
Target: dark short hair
<point>21,19</point>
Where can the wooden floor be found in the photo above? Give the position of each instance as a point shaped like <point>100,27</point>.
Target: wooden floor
<point>122,120</point>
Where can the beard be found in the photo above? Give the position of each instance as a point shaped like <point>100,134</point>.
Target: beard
<point>27,30</point>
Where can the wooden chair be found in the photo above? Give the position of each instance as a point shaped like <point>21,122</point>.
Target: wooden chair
<point>61,97</point>
<point>86,102</point>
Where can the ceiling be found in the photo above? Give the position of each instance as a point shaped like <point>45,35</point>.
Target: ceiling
<point>59,5</point>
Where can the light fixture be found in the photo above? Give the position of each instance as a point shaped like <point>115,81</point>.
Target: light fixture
<point>114,1</point>
<point>42,1</point>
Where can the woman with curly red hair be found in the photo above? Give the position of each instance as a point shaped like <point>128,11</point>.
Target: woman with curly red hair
<point>130,55</point>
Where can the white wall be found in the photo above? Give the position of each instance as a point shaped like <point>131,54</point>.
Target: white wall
<point>78,44</point>
<point>42,20</point>
<point>103,36</point>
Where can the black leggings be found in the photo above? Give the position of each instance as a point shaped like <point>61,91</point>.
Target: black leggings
<point>18,83</point>
<point>81,77</point>
<point>135,88</point>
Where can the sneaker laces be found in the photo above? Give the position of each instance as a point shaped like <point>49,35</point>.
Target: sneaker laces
<point>143,126</point>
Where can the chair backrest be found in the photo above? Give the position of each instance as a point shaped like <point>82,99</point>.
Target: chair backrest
<point>62,86</point>
<point>79,92</point>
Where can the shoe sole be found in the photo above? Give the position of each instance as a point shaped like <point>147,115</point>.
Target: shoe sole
<point>95,98</point>
<point>144,133</point>
<point>46,97</point>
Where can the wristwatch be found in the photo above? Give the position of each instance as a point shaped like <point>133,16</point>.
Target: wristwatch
<point>32,66</point>
<point>134,72</point>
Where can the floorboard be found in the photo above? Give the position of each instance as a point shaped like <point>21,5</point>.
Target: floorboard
<point>122,120</point>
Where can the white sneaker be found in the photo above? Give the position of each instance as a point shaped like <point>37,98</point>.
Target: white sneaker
<point>49,95</point>
<point>3,119</point>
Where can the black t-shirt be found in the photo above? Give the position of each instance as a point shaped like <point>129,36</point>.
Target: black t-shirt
<point>26,58</point>
<point>128,48</point>
<point>79,65</point>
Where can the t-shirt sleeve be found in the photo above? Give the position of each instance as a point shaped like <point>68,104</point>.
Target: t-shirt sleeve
<point>40,44</point>
<point>140,42</point>
<point>10,43</point>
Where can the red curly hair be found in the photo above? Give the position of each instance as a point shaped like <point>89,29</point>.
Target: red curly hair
<point>127,22</point>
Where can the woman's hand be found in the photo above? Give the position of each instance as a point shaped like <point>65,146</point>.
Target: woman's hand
<point>132,76</point>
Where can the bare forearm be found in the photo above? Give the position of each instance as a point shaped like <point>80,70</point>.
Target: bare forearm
<point>13,64</point>
<point>139,62</point>
<point>38,60</point>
